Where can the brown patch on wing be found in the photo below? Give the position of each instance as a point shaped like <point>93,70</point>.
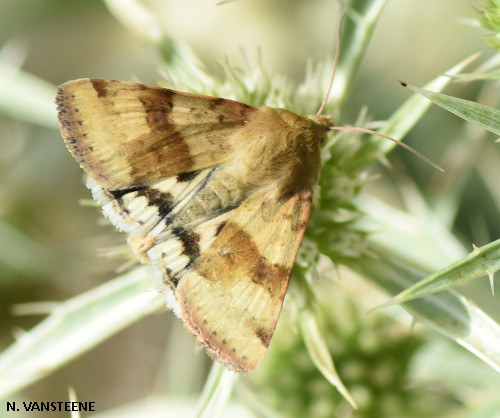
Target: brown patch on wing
<point>238,254</point>
<point>100,87</point>
<point>264,335</point>
<point>157,109</point>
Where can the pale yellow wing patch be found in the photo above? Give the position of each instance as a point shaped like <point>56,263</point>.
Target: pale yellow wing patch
<point>231,297</point>
<point>129,134</point>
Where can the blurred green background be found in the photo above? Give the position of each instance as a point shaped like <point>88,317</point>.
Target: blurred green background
<point>48,241</point>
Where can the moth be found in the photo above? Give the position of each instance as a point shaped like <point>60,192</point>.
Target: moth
<point>214,193</point>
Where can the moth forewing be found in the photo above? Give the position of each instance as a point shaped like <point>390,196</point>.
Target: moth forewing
<point>232,296</point>
<point>214,193</point>
<point>128,134</point>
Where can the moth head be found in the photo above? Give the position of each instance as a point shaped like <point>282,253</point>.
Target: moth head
<point>321,124</point>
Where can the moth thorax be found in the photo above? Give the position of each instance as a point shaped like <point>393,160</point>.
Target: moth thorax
<point>280,149</point>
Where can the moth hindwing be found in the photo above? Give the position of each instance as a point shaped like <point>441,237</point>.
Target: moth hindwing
<point>214,193</point>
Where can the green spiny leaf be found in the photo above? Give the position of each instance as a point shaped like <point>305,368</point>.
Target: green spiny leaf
<point>479,114</point>
<point>481,262</point>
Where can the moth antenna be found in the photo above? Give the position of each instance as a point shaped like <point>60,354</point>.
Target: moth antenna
<point>401,144</point>
<point>335,62</point>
